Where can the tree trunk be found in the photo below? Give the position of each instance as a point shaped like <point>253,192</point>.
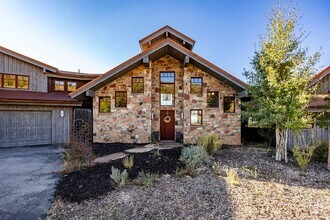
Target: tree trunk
<point>281,144</point>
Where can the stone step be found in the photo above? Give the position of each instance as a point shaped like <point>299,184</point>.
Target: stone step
<point>108,158</point>
<point>139,150</point>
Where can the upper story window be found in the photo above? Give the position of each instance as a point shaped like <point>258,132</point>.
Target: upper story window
<point>212,99</point>
<point>59,85</point>
<point>137,85</point>
<point>13,81</point>
<point>229,105</point>
<point>167,88</point>
<point>72,86</point>
<point>196,85</point>
<point>104,104</point>
<point>121,99</point>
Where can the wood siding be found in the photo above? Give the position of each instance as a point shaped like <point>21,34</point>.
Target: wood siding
<point>11,65</point>
<point>60,126</point>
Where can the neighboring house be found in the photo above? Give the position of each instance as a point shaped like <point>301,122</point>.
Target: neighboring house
<point>322,83</point>
<point>34,104</point>
<point>167,92</point>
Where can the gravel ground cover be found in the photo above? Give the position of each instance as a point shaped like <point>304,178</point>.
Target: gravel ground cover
<point>266,190</point>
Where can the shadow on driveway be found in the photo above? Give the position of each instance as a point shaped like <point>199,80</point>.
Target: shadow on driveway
<point>28,176</point>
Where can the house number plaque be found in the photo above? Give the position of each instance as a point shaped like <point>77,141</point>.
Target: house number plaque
<point>167,119</point>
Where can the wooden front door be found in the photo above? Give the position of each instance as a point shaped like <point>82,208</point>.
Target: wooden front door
<point>167,122</point>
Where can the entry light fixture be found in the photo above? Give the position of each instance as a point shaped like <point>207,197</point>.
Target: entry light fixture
<point>62,114</point>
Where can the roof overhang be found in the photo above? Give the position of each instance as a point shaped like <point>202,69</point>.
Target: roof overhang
<point>166,47</point>
<point>319,76</point>
<point>27,59</point>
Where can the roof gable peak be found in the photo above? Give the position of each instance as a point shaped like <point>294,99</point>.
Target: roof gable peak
<point>164,33</point>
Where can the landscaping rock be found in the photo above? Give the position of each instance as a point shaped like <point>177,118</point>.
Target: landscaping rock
<point>139,150</point>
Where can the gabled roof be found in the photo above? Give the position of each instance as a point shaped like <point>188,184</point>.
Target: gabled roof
<point>166,32</point>
<point>164,47</point>
<point>28,59</point>
<point>319,76</point>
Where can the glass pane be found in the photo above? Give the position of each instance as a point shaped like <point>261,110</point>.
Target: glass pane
<point>9,81</point>
<point>121,99</point>
<point>229,104</point>
<point>137,85</point>
<point>196,85</point>
<point>22,82</point>
<point>212,99</point>
<point>105,104</point>
<point>59,85</point>
<point>72,86</point>
<point>196,117</point>
<point>167,94</point>
<point>167,77</point>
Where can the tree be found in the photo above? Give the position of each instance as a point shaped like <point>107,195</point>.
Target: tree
<point>278,79</point>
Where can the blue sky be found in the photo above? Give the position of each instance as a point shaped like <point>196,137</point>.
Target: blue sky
<point>95,36</point>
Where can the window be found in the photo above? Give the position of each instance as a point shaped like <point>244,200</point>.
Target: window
<point>22,82</point>
<point>196,117</point>
<point>196,85</point>
<point>59,85</point>
<point>121,99</point>
<point>9,81</point>
<point>229,105</point>
<point>167,88</point>
<point>104,104</point>
<point>72,86</point>
<point>213,99</point>
<point>137,85</point>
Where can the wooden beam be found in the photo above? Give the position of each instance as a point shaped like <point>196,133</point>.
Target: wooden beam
<point>90,93</point>
<point>145,61</point>
<point>185,61</point>
<point>166,33</point>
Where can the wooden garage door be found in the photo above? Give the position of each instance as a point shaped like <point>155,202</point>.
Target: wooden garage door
<point>20,128</point>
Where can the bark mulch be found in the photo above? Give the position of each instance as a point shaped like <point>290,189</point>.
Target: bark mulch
<point>95,181</point>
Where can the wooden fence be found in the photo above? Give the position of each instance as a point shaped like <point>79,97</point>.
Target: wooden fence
<point>321,134</point>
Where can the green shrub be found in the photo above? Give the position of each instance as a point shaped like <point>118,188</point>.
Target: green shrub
<point>128,161</point>
<point>194,156</point>
<point>211,143</point>
<point>156,154</point>
<point>187,171</point>
<point>120,178</point>
<point>303,155</point>
<point>145,179</point>
<point>232,177</point>
<point>77,155</point>
<point>321,152</point>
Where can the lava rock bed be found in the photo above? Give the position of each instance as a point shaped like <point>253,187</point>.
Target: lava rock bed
<point>95,181</point>
<point>101,149</point>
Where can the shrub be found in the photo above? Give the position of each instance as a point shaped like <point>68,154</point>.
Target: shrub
<point>120,178</point>
<point>232,177</point>
<point>187,171</point>
<point>194,156</point>
<point>77,155</point>
<point>128,161</point>
<point>303,155</point>
<point>211,143</point>
<point>145,179</point>
<point>321,152</point>
<point>156,154</point>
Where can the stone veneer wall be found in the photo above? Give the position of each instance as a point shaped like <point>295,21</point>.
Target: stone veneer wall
<point>128,125</point>
<point>134,123</point>
<point>214,120</point>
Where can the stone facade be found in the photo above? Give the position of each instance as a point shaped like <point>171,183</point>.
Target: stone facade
<point>141,117</point>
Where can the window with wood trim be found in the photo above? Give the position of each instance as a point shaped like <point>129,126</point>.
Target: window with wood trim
<point>9,81</point>
<point>104,104</point>
<point>121,99</point>
<point>137,85</point>
<point>167,88</point>
<point>196,116</point>
<point>22,82</point>
<point>213,99</point>
<point>196,85</point>
<point>72,86</point>
<point>59,85</point>
<point>229,104</point>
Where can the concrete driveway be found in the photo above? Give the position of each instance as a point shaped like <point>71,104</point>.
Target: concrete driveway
<point>28,177</point>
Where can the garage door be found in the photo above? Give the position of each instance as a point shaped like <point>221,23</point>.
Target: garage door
<point>19,128</point>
